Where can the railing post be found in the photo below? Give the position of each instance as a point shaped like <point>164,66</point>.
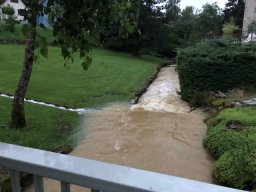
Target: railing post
<point>65,187</point>
<point>85,173</point>
<point>38,183</point>
<point>94,190</point>
<point>15,180</point>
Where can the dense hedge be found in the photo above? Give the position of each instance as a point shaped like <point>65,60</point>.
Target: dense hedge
<point>231,139</point>
<point>230,169</point>
<point>215,65</point>
<point>218,142</point>
<point>236,169</point>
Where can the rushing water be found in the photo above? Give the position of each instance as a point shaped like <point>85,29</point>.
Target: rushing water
<point>161,95</point>
<point>158,134</point>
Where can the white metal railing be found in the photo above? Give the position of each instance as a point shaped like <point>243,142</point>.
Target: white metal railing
<point>95,175</point>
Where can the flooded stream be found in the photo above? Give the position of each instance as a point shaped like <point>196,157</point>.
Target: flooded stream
<point>161,96</point>
<point>157,134</point>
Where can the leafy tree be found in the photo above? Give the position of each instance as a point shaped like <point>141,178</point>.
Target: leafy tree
<point>163,29</point>
<point>187,21</point>
<point>235,9</point>
<point>184,25</point>
<point>230,28</point>
<point>143,37</point>
<point>172,10</point>
<point>154,34</point>
<point>209,21</point>
<point>9,17</point>
<point>190,26</point>
<point>76,26</point>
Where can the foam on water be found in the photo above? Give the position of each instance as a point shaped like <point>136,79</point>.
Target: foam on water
<point>78,110</point>
<point>161,95</point>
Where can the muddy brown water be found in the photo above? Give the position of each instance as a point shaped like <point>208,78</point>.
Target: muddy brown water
<point>158,134</point>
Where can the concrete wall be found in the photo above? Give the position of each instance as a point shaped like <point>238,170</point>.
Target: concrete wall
<point>16,6</point>
<point>249,14</point>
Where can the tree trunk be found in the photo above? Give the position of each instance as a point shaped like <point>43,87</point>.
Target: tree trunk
<point>18,114</point>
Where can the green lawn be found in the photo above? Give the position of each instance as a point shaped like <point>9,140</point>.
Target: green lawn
<point>48,128</point>
<point>112,77</point>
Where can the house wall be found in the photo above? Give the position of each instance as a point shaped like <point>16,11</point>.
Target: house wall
<point>249,15</point>
<point>16,6</point>
<point>21,5</point>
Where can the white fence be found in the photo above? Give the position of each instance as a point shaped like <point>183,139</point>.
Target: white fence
<point>97,176</point>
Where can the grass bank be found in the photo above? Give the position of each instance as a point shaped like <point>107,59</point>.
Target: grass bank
<point>111,77</point>
<point>231,139</point>
<point>47,128</point>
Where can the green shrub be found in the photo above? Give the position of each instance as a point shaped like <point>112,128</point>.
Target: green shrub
<point>230,28</point>
<point>251,168</point>
<point>231,137</point>
<point>246,115</point>
<point>213,66</point>
<point>221,137</point>
<point>219,140</point>
<point>251,137</point>
<point>236,168</point>
<point>221,103</point>
<point>9,17</point>
<point>212,122</point>
<point>230,169</point>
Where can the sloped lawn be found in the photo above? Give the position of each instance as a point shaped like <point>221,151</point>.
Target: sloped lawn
<point>111,77</point>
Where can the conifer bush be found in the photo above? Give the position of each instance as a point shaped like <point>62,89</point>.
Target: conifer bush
<point>237,169</point>
<point>231,139</point>
<point>215,66</point>
<point>218,141</point>
<point>230,169</point>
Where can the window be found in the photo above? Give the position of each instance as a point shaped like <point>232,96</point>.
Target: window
<point>14,1</point>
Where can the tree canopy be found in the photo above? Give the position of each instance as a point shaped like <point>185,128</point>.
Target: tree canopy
<point>76,26</point>
<point>156,27</point>
<point>165,27</point>
<point>235,9</point>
